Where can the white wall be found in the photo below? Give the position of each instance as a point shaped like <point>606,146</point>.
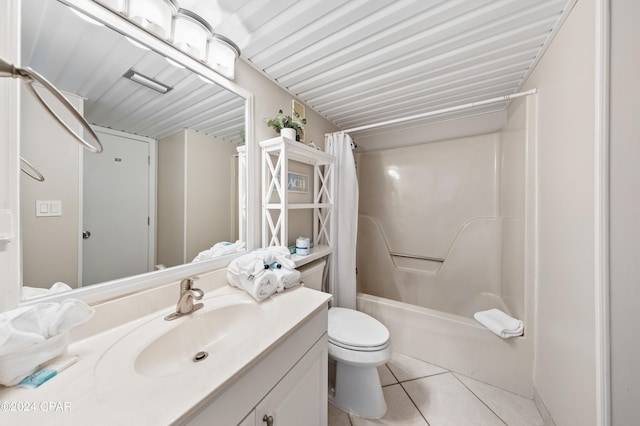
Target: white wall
<point>170,202</point>
<point>565,369</point>
<point>422,195</point>
<point>209,182</point>
<point>268,99</point>
<point>625,211</point>
<point>512,175</point>
<point>9,166</point>
<point>49,244</point>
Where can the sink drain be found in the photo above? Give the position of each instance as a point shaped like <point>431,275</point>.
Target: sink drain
<point>200,356</point>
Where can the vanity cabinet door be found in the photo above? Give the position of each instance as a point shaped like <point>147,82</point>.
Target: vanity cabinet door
<point>300,398</point>
<point>250,420</point>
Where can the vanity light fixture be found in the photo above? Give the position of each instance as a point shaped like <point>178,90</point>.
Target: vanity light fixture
<point>191,33</point>
<point>155,16</point>
<point>183,28</point>
<point>222,55</point>
<point>147,81</point>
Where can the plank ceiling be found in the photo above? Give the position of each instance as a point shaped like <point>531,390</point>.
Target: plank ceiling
<point>355,62</point>
<point>359,62</point>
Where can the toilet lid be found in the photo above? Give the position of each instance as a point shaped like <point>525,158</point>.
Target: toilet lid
<point>353,329</point>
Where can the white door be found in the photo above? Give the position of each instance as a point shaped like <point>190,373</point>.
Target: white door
<point>116,207</point>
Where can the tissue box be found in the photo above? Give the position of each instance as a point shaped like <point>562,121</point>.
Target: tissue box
<point>17,365</point>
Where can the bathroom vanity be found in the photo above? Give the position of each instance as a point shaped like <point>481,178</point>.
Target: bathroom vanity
<point>266,363</point>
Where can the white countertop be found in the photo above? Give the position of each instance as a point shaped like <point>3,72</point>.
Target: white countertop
<point>97,391</point>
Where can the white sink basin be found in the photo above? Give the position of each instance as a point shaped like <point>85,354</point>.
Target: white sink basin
<point>226,326</point>
<point>202,333</point>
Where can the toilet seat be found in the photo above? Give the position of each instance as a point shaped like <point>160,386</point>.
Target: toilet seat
<point>356,331</point>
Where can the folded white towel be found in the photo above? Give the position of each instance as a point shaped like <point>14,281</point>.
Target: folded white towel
<point>33,335</point>
<point>287,278</point>
<point>500,323</point>
<point>259,286</point>
<point>221,248</point>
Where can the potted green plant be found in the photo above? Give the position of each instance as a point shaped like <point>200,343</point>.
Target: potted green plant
<point>281,123</point>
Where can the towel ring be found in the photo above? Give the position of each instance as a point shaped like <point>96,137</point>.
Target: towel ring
<point>30,170</point>
<point>28,76</point>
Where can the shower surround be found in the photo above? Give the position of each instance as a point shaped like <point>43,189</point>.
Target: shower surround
<point>443,233</point>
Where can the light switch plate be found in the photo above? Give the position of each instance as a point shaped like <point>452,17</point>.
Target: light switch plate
<point>48,208</point>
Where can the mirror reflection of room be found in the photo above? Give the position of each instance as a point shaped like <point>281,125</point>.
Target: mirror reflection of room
<point>170,143</point>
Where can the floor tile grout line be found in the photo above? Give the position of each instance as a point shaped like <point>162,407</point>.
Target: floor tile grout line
<point>424,377</point>
<point>414,404</point>
<point>391,371</point>
<point>479,399</point>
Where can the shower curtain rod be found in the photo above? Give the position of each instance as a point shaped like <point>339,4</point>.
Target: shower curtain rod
<point>442,111</point>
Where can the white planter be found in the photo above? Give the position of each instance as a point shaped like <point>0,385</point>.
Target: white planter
<point>288,133</point>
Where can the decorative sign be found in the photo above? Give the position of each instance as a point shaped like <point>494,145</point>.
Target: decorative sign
<point>297,182</point>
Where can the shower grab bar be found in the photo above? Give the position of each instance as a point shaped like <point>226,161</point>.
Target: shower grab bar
<point>413,256</point>
<point>28,77</point>
<point>30,170</point>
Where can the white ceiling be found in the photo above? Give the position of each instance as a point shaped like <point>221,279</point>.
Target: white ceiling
<point>359,62</point>
<point>355,62</point>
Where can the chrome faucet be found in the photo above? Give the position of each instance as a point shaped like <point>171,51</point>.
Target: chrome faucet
<point>188,294</point>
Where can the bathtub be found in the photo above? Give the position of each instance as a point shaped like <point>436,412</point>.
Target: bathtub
<point>428,305</point>
<point>454,342</point>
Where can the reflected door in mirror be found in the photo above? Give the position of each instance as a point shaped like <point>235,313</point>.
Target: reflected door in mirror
<point>117,209</point>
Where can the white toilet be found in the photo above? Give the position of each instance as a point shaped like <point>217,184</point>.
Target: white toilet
<point>359,344</point>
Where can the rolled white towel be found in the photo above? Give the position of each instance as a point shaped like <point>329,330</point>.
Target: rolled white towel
<point>260,286</point>
<point>287,278</point>
<point>263,286</point>
<point>500,323</point>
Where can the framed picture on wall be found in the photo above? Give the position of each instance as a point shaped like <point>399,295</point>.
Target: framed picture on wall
<point>299,108</point>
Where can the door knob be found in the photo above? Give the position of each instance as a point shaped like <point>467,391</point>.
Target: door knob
<point>86,235</point>
<point>268,420</point>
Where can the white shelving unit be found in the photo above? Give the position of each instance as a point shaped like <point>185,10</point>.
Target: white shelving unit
<point>276,155</point>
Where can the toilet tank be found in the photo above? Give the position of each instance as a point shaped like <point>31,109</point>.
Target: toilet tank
<point>311,274</point>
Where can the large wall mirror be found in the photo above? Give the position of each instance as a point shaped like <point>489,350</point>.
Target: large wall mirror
<point>166,186</point>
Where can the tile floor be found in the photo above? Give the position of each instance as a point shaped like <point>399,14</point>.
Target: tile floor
<point>418,393</point>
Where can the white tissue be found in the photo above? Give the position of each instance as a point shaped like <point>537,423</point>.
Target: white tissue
<point>33,335</point>
<point>500,323</point>
<point>31,292</point>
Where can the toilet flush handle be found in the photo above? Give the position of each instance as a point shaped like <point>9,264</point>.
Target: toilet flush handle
<point>268,420</point>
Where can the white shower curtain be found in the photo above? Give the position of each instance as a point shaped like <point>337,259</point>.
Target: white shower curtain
<point>345,220</point>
